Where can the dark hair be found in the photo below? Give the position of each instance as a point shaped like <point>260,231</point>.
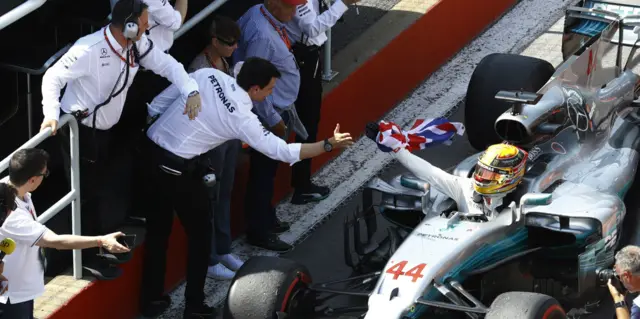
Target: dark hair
<point>124,9</point>
<point>8,204</point>
<point>27,163</point>
<point>224,28</point>
<point>256,71</point>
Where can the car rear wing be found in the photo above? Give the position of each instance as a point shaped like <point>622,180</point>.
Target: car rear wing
<point>590,18</point>
<point>605,26</point>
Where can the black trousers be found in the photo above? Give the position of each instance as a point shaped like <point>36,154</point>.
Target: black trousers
<point>187,195</point>
<point>95,151</point>
<point>308,106</point>
<point>260,214</point>
<point>23,310</point>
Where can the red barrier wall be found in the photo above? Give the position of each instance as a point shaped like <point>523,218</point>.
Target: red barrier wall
<point>365,95</point>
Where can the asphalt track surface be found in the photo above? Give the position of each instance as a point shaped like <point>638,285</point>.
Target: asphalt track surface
<point>531,28</point>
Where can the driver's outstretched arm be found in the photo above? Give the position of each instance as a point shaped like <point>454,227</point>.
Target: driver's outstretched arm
<point>449,184</point>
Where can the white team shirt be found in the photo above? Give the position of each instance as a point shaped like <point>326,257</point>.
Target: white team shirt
<point>457,188</point>
<point>225,115</point>
<point>90,70</point>
<point>164,21</point>
<point>314,26</point>
<point>23,268</point>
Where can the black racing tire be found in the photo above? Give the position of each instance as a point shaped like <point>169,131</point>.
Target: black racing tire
<point>497,72</point>
<point>265,285</point>
<point>525,305</point>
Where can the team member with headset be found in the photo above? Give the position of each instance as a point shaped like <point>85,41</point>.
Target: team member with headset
<point>24,268</point>
<point>97,71</point>
<point>164,20</point>
<point>176,168</point>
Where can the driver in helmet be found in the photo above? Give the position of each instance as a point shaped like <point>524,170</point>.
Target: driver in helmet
<point>499,170</point>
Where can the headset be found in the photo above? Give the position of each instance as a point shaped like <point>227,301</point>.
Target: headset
<point>131,28</point>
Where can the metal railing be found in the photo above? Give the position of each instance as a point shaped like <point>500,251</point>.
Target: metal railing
<point>73,196</point>
<point>19,12</point>
<point>327,73</point>
<point>31,5</point>
<point>34,72</point>
<point>189,24</point>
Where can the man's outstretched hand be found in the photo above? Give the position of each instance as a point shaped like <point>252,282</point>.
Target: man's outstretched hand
<point>340,140</point>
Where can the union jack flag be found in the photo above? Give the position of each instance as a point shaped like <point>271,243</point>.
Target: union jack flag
<point>423,134</point>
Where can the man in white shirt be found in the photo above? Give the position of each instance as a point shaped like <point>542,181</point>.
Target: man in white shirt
<point>176,169</point>
<point>24,267</point>
<point>307,30</point>
<point>97,72</point>
<point>164,21</point>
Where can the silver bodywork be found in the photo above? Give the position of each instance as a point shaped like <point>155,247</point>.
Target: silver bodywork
<point>587,165</point>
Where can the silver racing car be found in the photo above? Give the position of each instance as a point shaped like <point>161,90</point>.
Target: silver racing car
<point>550,248</point>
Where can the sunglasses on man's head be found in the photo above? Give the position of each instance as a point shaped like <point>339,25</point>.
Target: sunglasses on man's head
<point>45,174</point>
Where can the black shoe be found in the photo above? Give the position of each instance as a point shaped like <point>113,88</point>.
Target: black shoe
<point>312,193</point>
<point>280,227</point>
<point>202,311</point>
<point>270,242</point>
<point>135,221</point>
<point>156,307</point>
<point>101,269</point>
<point>115,259</point>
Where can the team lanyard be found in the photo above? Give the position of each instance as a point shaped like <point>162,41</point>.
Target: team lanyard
<point>281,31</point>
<point>213,65</point>
<point>116,52</point>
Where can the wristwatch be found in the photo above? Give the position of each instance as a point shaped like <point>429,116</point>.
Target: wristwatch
<point>194,93</point>
<point>327,146</point>
<point>620,304</point>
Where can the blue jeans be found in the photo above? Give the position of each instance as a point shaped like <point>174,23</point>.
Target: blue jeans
<point>23,310</point>
<point>222,160</point>
<point>635,311</point>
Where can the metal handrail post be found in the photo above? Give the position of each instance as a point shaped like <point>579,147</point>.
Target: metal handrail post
<point>327,73</point>
<point>213,6</point>
<point>75,187</point>
<point>19,12</point>
<point>73,197</point>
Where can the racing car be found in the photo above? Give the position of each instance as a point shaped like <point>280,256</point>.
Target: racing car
<point>548,250</point>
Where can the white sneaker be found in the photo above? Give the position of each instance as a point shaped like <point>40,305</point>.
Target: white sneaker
<point>231,261</point>
<point>219,271</point>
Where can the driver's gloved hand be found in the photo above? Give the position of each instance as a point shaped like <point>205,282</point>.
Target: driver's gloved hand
<point>371,130</point>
